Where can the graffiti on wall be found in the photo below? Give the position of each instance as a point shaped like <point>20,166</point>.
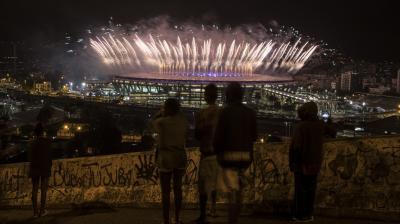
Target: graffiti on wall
<point>362,174</point>
<point>77,179</point>
<point>12,180</point>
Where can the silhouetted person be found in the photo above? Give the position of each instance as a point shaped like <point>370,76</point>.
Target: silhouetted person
<point>206,122</point>
<point>40,169</point>
<point>171,126</point>
<point>305,159</point>
<point>234,137</point>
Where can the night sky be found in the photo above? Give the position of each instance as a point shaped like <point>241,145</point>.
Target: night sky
<point>361,30</point>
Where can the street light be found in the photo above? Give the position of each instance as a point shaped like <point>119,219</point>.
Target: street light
<point>363,113</point>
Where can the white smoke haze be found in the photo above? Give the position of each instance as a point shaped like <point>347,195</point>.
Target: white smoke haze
<point>160,46</point>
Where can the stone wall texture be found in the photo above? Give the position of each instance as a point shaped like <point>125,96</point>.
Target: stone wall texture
<point>357,174</point>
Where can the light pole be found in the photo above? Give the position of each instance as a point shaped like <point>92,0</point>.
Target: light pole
<point>363,113</point>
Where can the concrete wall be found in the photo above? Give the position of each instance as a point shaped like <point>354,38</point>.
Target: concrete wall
<point>357,174</point>
<point>115,179</point>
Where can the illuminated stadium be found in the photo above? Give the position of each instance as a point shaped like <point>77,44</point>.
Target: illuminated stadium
<point>155,64</point>
<point>154,89</point>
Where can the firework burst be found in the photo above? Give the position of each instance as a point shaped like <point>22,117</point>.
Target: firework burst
<point>199,56</point>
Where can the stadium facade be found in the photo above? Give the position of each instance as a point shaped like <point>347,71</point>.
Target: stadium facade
<point>153,89</point>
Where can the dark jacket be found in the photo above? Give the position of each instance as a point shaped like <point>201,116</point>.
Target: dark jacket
<point>40,158</point>
<point>236,131</point>
<point>306,148</point>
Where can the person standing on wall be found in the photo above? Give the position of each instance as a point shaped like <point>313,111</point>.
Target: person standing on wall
<point>171,126</point>
<point>235,135</point>
<point>205,124</point>
<point>40,169</point>
<point>305,159</point>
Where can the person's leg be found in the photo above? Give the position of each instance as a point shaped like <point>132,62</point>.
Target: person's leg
<point>235,201</point>
<point>298,202</point>
<point>213,177</point>
<point>310,190</point>
<point>234,206</point>
<point>165,182</point>
<point>178,175</point>
<point>202,200</point>
<point>44,183</point>
<point>35,189</point>
<point>213,203</point>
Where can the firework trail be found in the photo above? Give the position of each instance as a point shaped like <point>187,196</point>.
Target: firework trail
<point>202,57</point>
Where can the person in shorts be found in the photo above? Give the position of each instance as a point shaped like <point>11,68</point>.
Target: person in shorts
<point>171,126</point>
<point>205,124</point>
<point>234,137</point>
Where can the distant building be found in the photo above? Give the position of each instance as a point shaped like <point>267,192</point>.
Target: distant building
<point>10,62</point>
<point>69,130</point>
<point>368,81</point>
<point>386,69</point>
<point>345,81</point>
<point>317,81</point>
<point>135,138</point>
<point>333,85</point>
<point>379,89</point>
<point>42,87</point>
<point>351,81</point>
<point>398,81</point>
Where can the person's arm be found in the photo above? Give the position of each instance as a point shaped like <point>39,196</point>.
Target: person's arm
<point>330,129</point>
<point>155,120</point>
<point>293,148</point>
<point>156,124</point>
<point>30,151</point>
<point>254,134</point>
<point>198,129</point>
<point>291,155</point>
<point>187,127</point>
<point>49,152</point>
<point>219,135</point>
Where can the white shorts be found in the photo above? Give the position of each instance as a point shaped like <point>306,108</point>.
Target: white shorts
<point>228,180</point>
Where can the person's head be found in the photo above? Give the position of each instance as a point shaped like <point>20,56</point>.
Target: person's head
<point>39,131</point>
<point>308,111</point>
<point>171,107</point>
<point>210,93</point>
<point>234,93</point>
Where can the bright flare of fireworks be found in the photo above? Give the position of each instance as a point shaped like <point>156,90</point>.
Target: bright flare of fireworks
<point>202,57</point>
